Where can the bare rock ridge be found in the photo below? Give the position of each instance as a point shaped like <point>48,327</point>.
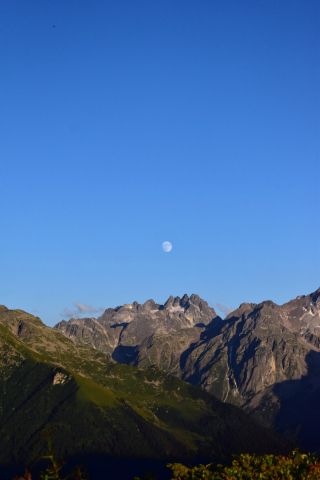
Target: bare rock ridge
<point>263,357</point>
<point>121,330</point>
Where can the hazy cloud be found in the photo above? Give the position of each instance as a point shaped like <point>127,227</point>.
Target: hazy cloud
<point>83,308</point>
<point>223,308</point>
<point>80,309</point>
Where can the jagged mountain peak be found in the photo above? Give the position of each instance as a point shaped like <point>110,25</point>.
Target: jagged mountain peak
<point>311,297</point>
<point>173,303</point>
<point>315,296</point>
<point>187,301</point>
<point>242,310</point>
<point>127,326</point>
<point>150,305</point>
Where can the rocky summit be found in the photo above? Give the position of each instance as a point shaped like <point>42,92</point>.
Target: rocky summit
<point>120,331</point>
<point>262,357</point>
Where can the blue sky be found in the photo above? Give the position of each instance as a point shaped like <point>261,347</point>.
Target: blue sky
<point>126,123</point>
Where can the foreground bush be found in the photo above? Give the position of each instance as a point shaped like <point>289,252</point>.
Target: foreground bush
<point>296,466</point>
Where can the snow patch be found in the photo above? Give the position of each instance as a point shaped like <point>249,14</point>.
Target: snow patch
<point>176,309</point>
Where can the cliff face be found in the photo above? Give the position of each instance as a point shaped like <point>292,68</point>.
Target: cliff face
<point>255,358</point>
<point>256,347</point>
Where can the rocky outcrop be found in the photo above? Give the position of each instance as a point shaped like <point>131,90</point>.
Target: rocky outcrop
<point>60,378</point>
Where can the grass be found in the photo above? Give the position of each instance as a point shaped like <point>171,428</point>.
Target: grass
<point>89,391</point>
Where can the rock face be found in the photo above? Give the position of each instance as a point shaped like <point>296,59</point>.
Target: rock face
<point>256,347</point>
<point>266,359</point>
<point>263,357</point>
<point>122,330</point>
<point>60,378</point>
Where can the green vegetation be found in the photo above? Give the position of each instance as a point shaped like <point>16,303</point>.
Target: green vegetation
<point>296,466</point>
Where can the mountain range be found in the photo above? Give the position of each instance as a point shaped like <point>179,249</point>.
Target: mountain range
<point>72,395</point>
<point>264,358</point>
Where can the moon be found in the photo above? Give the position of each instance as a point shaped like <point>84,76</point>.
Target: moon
<point>167,246</point>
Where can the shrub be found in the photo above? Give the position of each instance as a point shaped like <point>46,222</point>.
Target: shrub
<point>296,466</point>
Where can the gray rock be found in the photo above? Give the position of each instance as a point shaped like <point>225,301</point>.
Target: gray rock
<point>125,328</point>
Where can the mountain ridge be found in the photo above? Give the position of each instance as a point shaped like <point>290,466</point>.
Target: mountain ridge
<point>240,359</point>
